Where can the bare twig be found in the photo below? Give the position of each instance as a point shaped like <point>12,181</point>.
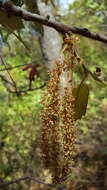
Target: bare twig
<point>10,8</point>
<point>7,83</point>
<point>14,83</point>
<point>5,80</point>
<point>18,37</point>
<point>19,92</point>
<point>21,65</point>
<point>22,41</point>
<point>93,75</point>
<point>28,89</point>
<point>5,184</point>
<point>17,66</point>
<point>10,68</point>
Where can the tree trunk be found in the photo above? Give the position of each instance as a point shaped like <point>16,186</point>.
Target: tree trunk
<point>50,41</point>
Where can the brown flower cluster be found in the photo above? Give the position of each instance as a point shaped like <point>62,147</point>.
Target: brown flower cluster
<point>58,131</point>
<point>50,117</point>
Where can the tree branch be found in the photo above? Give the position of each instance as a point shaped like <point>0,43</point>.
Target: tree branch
<point>9,7</point>
<point>14,67</point>
<point>5,184</point>
<point>10,68</point>
<point>29,89</point>
<point>19,91</point>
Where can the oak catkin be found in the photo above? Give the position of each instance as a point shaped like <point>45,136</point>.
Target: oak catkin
<point>58,130</point>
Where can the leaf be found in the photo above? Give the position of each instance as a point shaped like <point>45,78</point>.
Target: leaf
<point>92,5</point>
<point>80,94</point>
<point>32,73</point>
<point>12,22</point>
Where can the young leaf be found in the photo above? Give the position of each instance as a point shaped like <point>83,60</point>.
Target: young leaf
<point>80,94</point>
<point>28,66</point>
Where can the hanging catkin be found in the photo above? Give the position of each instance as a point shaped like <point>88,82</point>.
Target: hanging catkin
<point>58,130</point>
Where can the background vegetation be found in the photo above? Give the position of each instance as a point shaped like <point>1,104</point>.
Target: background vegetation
<point>20,123</point>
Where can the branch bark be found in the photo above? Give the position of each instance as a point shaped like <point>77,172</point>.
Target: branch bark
<point>10,8</point>
<point>5,184</point>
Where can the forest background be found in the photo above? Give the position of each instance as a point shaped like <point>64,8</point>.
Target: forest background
<point>20,124</point>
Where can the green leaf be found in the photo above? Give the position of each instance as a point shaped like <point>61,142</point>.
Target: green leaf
<point>80,94</point>
<point>12,22</point>
<point>93,5</point>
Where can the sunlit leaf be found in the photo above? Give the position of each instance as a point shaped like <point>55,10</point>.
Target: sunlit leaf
<point>81,94</point>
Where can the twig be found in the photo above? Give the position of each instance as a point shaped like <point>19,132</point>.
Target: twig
<point>14,83</point>
<point>32,89</point>
<point>19,91</point>
<point>10,8</point>
<point>17,66</point>
<point>5,184</point>
<point>10,68</point>
<point>5,80</point>
<point>93,75</point>
<point>7,83</point>
<point>19,38</point>
<point>22,41</point>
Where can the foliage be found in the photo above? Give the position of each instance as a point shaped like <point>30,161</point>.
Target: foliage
<point>18,115</point>
<point>81,99</point>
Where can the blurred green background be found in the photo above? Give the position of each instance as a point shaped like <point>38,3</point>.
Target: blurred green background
<point>20,123</point>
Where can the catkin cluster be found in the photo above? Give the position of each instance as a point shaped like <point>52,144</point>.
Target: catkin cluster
<point>58,130</point>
